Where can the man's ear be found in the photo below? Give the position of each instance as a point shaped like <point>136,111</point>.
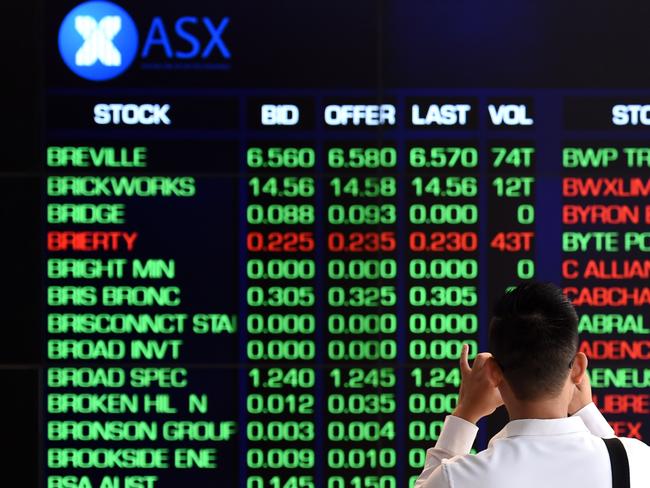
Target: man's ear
<point>495,374</point>
<point>579,368</point>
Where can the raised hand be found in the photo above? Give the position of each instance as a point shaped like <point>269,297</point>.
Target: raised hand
<point>478,395</point>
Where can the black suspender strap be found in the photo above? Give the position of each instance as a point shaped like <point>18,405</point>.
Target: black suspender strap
<point>619,462</point>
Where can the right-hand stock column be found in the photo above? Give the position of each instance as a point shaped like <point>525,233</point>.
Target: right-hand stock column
<point>605,245</point>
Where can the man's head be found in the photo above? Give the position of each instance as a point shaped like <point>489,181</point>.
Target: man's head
<point>534,339</point>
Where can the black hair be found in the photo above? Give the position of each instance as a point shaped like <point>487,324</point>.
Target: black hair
<point>533,336</point>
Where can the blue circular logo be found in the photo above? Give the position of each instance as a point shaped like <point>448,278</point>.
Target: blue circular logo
<point>98,40</point>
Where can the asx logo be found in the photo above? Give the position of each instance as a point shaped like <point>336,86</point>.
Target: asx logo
<point>99,40</point>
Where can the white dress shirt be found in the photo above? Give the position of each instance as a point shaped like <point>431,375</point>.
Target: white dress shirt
<point>532,453</point>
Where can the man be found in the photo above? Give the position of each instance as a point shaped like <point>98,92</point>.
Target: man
<point>535,370</point>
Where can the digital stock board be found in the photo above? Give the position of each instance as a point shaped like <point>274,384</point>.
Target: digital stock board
<point>244,242</point>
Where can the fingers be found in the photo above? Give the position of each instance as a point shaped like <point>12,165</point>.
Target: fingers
<point>464,364</point>
<point>479,361</point>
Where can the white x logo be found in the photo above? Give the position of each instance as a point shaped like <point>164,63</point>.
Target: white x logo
<point>98,40</point>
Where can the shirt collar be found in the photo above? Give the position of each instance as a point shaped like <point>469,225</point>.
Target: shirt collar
<point>541,427</point>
